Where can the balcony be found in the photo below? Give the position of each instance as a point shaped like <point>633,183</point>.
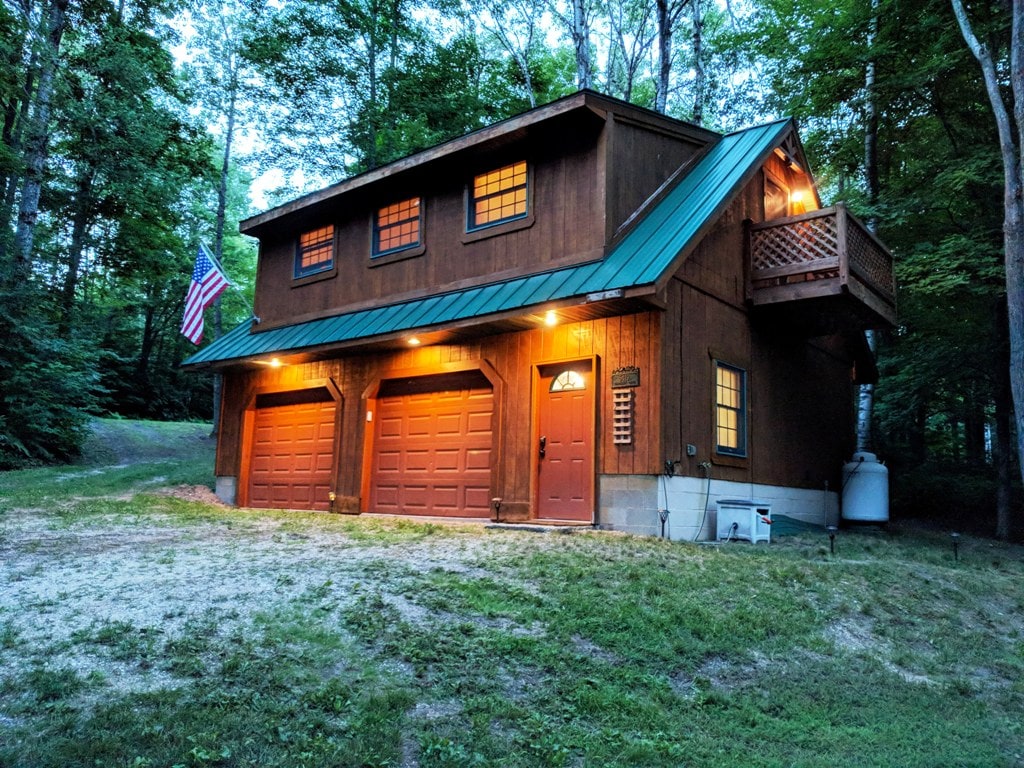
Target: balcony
<point>821,272</point>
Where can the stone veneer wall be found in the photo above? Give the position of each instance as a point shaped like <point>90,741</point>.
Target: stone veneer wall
<point>630,503</point>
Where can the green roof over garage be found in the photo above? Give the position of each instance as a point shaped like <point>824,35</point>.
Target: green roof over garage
<point>666,231</point>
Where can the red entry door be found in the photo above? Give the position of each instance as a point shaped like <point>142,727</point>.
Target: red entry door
<point>565,443</point>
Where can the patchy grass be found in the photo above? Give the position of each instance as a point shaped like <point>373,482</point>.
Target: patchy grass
<point>139,628</point>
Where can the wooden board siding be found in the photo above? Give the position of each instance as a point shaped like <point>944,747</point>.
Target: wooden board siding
<point>613,342</point>
<point>799,391</point>
<point>640,160</point>
<point>567,226</point>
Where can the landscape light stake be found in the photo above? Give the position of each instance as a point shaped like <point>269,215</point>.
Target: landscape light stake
<point>831,537</point>
<point>956,546</point>
<point>663,516</point>
<point>496,503</point>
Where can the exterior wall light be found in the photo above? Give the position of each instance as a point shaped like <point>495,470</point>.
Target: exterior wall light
<point>414,341</point>
<point>551,319</point>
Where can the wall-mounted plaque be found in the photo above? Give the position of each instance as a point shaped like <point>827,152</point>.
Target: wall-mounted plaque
<point>627,376</point>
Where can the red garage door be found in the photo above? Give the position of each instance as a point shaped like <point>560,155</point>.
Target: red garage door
<point>432,446</point>
<point>292,458</point>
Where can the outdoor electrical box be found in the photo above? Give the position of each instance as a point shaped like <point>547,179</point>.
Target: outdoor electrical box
<point>744,519</point>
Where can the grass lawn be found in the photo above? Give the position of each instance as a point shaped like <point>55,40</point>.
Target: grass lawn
<point>143,624</point>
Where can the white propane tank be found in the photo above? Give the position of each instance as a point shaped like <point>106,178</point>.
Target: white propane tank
<point>865,489</point>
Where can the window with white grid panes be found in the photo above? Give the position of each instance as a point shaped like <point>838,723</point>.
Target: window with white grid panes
<point>315,251</point>
<point>498,195</point>
<point>730,410</point>
<point>397,226</point>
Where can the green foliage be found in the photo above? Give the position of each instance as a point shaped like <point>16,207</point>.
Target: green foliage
<point>47,385</point>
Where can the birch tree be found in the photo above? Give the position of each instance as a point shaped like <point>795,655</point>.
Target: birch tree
<point>667,15</point>
<point>1010,128</point>
<point>632,33</point>
<point>38,136</point>
<point>577,21</point>
<point>514,23</point>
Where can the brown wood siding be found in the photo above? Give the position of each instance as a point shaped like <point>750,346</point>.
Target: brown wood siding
<point>615,342</point>
<point>566,226</point>
<point>587,178</point>
<point>799,390</point>
<point>640,160</point>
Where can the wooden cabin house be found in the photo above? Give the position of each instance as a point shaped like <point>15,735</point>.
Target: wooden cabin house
<point>590,313</point>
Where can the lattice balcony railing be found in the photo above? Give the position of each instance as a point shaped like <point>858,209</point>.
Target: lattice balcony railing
<point>829,244</point>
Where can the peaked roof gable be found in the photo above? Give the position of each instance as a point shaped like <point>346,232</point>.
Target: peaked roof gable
<point>648,253</point>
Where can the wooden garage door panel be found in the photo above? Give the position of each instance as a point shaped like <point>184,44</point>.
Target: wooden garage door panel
<point>432,453</point>
<point>292,457</point>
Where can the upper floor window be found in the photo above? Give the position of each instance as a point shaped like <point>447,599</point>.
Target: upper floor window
<point>730,410</point>
<point>397,226</point>
<point>498,196</point>
<point>776,199</point>
<point>315,251</point>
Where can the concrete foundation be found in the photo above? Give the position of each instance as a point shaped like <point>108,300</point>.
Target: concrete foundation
<point>226,488</point>
<point>631,503</point>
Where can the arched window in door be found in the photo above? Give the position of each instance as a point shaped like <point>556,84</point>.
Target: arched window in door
<point>567,381</point>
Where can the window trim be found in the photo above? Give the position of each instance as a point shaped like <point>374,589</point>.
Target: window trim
<point>743,420</point>
<point>320,270</point>
<point>509,223</point>
<point>398,253</point>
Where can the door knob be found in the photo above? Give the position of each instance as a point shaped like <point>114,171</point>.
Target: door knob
<point>543,445</point>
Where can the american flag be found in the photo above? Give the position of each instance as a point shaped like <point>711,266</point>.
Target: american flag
<point>208,282</point>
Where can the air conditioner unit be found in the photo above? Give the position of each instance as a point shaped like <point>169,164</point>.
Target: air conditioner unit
<point>746,519</point>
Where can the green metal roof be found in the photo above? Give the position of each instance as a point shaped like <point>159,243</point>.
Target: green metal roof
<point>643,256</point>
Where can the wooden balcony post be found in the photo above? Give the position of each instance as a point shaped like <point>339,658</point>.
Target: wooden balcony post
<point>842,244</point>
<point>748,261</point>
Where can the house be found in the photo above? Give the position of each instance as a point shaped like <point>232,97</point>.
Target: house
<point>588,313</point>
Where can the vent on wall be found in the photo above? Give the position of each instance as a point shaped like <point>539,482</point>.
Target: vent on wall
<point>622,416</point>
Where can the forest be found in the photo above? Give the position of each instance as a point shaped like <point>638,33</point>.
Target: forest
<point>134,131</point>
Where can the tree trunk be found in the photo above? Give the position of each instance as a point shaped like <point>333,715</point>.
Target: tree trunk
<point>1002,451</point>
<point>218,232</point>
<point>581,42</point>
<point>79,227</point>
<point>15,116</point>
<point>664,56</point>
<point>866,398</point>
<point>37,142</point>
<point>866,403</point>
<point>699,77</point>
<point>1011,151</point>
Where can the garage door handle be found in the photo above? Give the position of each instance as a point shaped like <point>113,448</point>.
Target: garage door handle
<point>543,445</point>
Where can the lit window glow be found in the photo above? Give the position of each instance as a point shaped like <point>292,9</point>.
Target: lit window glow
<point>315,251</point>
<point>498,195</point>
<point>730,410</point>
<point>397,226</point>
